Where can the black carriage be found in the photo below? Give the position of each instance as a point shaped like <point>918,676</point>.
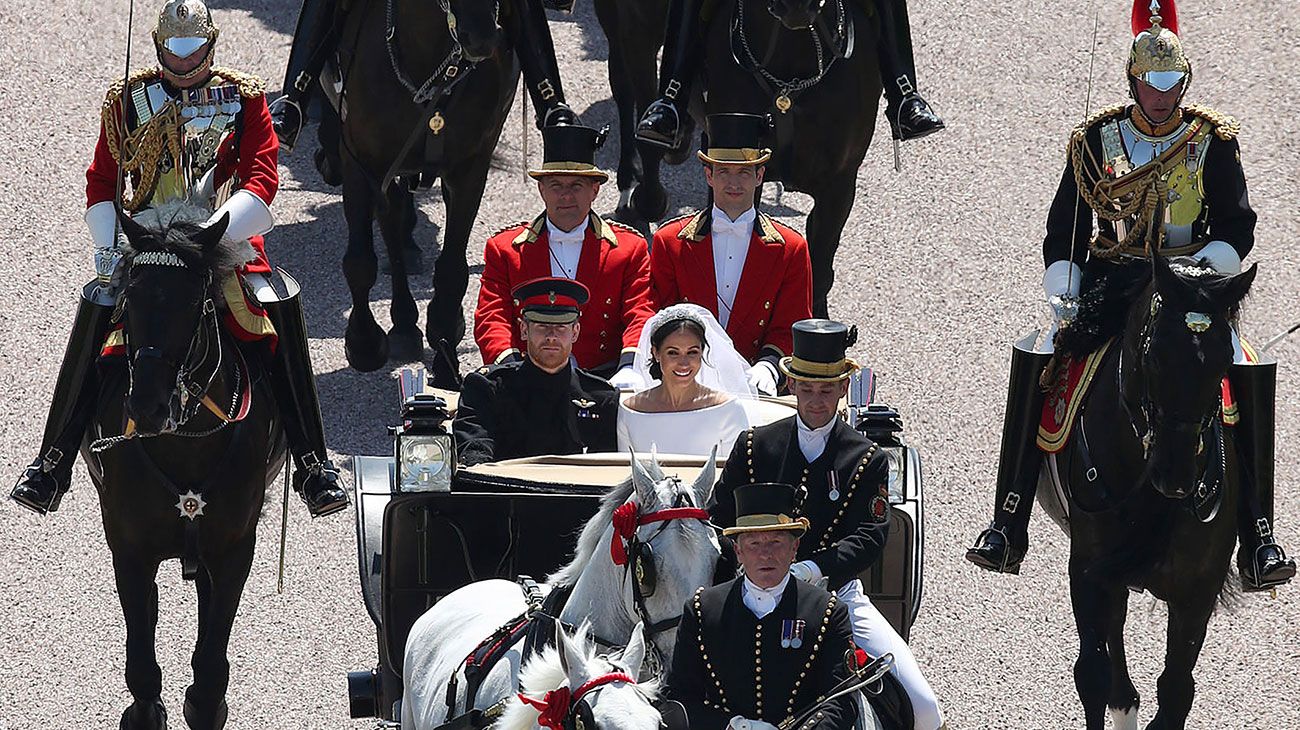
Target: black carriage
<point>421,531</point>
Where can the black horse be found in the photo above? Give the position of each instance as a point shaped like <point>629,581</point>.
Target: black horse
<point>1150,476</point>
<point>426,90</point>
<point>188,478</point>
<point>811,64</point>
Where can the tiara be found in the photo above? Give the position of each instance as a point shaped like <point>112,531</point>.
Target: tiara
<point>677,313</point>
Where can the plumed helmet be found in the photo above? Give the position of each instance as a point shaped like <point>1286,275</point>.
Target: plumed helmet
<point>185,28</point>
<point>1157,57</point>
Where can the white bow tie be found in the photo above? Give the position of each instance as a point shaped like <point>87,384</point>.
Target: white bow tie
<point>728,228</point>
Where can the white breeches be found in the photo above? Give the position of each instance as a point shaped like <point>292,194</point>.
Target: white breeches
<point>1238,354</point>
<point>261,287</point>
<point>874,635</point>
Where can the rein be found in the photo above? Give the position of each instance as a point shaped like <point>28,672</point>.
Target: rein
<point>785,90</point>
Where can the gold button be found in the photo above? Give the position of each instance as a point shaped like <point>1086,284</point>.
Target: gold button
<point>605,315</point>
<point>609,301</point>
<point>767,305</point>
<point>762,322</point>
<point>516,302</point>
<point>755,343</point>
<point>602,346</point>
<point>604,333</point>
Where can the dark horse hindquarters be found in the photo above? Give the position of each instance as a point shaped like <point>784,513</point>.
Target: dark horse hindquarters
<point>380,118</point>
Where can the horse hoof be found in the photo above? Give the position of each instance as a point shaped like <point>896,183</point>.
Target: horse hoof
<point>329,168</point>
<point>199,720</point>
<point>650,204</point>
<point>405,346</point>
<point>366,349</point>
<point>453,332</point>
<point>144,716</point>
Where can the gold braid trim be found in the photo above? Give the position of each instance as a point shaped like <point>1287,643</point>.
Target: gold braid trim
<point>1226,127</point>
<point>1093,184</point>
<point>140,152</point>
<point>1079,132</point>
<point>250,86</point>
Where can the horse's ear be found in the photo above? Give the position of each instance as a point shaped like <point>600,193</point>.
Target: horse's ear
<point>634,655</point>
<point>210,236</point>
<point>643,484</point>
<point>1170,286</point>
<point>562,646</point>
<point>1239,286</point>
<point>136,234</point>
<point>703,485</point>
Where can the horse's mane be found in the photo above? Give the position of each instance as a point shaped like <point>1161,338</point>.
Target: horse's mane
<point>1107,295</point>
<point>589,540</point>
<point>175,225</point>
<point>543,673</point>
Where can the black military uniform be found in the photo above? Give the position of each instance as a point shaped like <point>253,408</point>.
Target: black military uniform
<point>517,409</point>
<point>798,651</point>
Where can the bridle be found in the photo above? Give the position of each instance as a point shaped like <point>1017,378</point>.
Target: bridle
<point>195,373</point>
<point>562,709</point>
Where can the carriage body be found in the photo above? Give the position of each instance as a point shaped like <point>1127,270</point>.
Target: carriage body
<point>521,517</point>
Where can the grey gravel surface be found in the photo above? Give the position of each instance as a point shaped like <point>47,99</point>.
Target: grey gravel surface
<point>940,268</point>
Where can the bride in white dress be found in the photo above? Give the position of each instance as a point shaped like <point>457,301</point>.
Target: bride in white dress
<point>698,382</point>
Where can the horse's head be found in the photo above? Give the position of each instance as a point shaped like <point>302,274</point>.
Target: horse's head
<point>172,261</point>
<point>474,25</point>
<point>672,552</point>
<point>1177,349</point>
<point>795,14</point>
<point>572,686</point>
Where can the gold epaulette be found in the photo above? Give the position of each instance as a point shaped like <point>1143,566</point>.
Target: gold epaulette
<point>114,92</point>
<point>250,86</point>
<point>1100,115</point>
<point>1225,126</point>
<point>503,229</point>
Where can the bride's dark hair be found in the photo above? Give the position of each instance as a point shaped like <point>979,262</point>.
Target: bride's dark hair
<point>677,324</point>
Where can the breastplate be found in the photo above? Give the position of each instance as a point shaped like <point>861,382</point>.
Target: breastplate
<point>1127,149</point>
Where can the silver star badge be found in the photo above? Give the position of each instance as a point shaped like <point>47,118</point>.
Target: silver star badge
<point>191,505</point>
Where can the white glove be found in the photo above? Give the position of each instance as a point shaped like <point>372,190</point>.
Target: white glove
<point>101,220</point>
<point>806,571</point>
<point>249,216</point>
<point>627,379</point>
<point>743,723</point>
<point>762,378</point>
<point>1221,257</point>
<point>1061,285</point>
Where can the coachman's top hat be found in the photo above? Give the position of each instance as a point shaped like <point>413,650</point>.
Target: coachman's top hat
<point>767,506</point>
<point>736,139</point>
<point>571,150</point>
<point>819,347</point>
<point>551,299</point>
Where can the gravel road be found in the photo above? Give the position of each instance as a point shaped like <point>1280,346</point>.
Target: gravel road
<point>939,267</point>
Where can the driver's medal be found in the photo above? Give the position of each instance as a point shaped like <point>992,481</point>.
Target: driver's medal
<point>209,114</point>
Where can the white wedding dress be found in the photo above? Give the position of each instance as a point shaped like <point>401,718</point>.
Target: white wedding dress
<point>696,432</point>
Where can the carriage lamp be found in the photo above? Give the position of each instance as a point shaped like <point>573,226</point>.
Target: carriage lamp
<point>426,455</point>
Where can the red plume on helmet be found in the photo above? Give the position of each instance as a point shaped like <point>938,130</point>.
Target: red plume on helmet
<point>1145,10</point>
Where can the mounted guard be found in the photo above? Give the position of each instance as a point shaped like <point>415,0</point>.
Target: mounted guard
<point>187,133</point>
<point>1158,177</point>
<point>909,115</point>
<point>316,39</point>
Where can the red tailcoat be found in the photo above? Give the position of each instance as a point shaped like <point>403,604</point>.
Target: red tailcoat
<point>613,264</point>
<point>249,155</point>
<point>775,288</point>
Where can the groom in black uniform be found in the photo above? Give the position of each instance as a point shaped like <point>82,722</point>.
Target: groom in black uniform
<point>543,404</point>
<point>799,633</point>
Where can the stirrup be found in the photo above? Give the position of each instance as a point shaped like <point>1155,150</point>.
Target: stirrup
<point>1010,561</point>
<point>654,139</point>
<point>565,113</point>
<point>1252,581</point>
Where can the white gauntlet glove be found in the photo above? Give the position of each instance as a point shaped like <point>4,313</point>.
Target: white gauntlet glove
<point>1061,285</point>
<point>744,723</point>
<point>101,220</point>
<point>627,379</point>
<point>806,571</point>
<point>762,378</point>
<point>1221,257</point>
<point>249,216</point>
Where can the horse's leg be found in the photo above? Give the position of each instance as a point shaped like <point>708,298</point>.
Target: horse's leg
<point>1183,639</point>
<point>625,103</point>
<point>826,221</point>
<point>1124,699</point>
<point>139,596</point>
<point>364,341</point>
<point>1093,612</point>
<point>327,155</point>
<point>462,190</point>
<point>397,223</point>
<point>649,199</point>
<point>205,699</point>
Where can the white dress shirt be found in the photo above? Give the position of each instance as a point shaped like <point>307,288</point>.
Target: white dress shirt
<point>762,601</point>
<point>812,441</point>
<point>566,248</point>
<point>730,246</point>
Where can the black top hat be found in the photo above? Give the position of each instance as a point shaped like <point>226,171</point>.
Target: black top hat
<point>571,150</point>
<point>737,139</point>
<point>819,347</point>
<point>551,299</point>
<point>766,506</point>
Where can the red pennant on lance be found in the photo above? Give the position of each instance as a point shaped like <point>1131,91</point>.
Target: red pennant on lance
<point>1144,10</point>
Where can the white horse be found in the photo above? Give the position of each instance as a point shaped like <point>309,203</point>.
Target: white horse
<point>641,556</point>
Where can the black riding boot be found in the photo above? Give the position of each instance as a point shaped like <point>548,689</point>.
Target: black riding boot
<point>44,483</point>
<point>536,52</point>
<point>313,42</point>
<point>661,125</point>
<point>1003,544</point>
<point>294,384</point>
<point>1262,562</point>
<point>910,117</point>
